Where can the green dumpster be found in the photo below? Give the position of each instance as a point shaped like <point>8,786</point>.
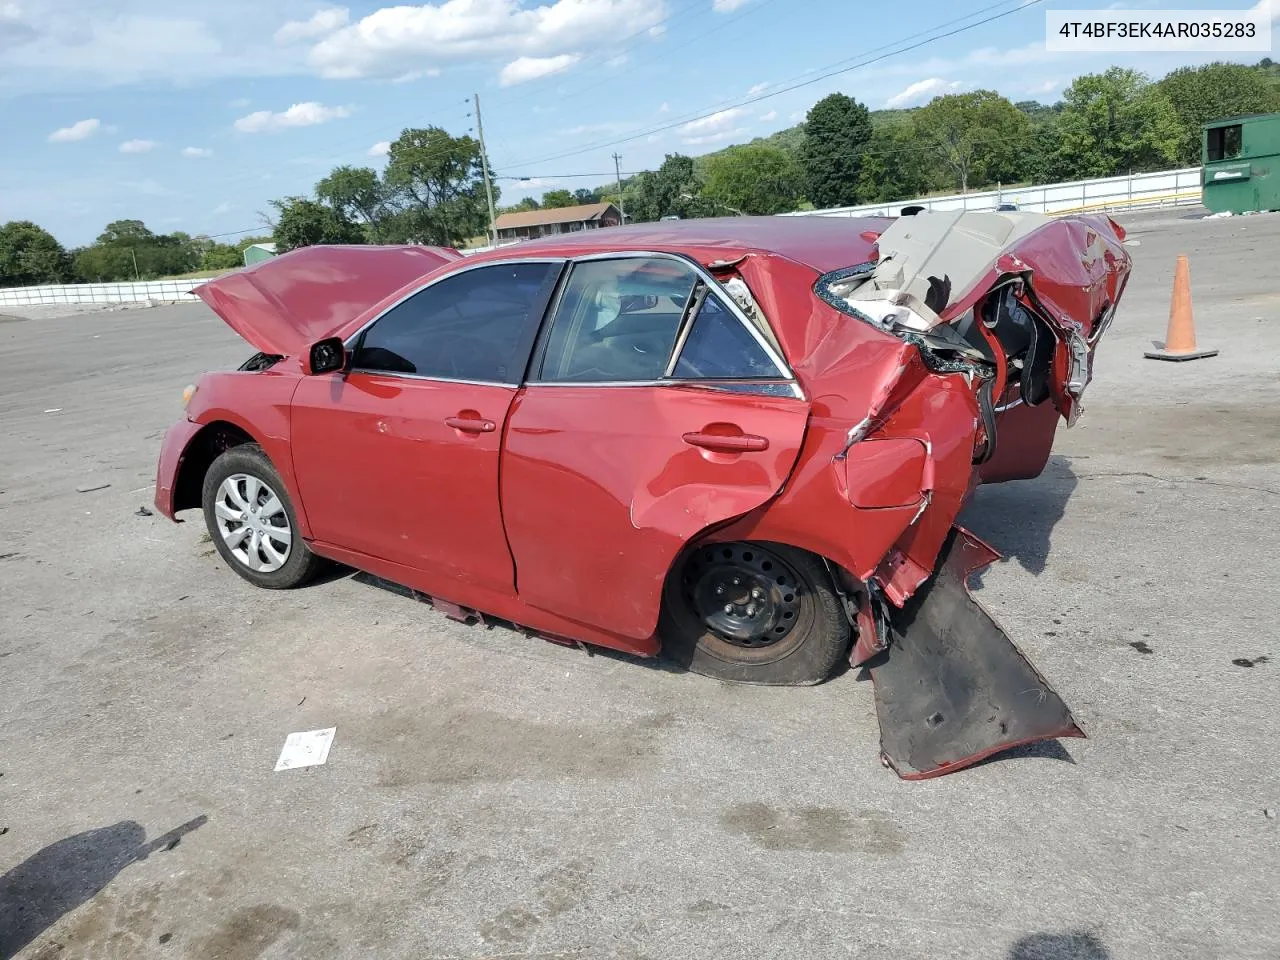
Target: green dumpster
<point>1242,164</point>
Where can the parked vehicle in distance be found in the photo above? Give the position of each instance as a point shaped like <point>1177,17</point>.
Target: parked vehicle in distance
<point>742,443</point>
<point>1006,207</point>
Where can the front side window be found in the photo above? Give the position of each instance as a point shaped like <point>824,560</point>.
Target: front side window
<point>476,325</point>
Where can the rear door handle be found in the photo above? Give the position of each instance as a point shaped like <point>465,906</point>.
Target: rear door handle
<point>734,443</point>
<point>468,425</point>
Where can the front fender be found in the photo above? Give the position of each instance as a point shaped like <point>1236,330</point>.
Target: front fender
<point>173,452</point>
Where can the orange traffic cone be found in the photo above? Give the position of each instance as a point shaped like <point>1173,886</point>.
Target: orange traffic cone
<point>1180,341</point>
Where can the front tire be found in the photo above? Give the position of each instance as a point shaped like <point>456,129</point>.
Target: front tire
<point>754,613</point>
<point>252,522</point>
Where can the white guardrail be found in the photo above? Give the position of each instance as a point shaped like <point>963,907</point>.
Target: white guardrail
<point>1138,191</point>
<point>138,292</point>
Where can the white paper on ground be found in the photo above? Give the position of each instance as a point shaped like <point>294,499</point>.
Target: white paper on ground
<point>306,749</point>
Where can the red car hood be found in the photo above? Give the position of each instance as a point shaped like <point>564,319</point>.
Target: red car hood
<point>285,304</point>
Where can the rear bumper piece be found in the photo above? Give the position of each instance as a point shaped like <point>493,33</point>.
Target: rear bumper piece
<point>952,689</point>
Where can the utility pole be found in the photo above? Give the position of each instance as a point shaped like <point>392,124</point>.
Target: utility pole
<point>136,275</point>
<point>617,171</point>
<point>488,183</point>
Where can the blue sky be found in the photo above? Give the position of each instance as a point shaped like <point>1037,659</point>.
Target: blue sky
<point>192,116</point>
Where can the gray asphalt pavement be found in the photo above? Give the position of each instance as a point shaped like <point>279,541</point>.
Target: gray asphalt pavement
<point>491,795</point>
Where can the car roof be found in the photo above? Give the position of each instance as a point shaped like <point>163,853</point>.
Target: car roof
<point>823,243</point>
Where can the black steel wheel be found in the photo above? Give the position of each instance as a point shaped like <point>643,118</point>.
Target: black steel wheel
<point>754,613</point>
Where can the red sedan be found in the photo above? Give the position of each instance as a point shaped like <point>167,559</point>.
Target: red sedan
<point>740,443</point>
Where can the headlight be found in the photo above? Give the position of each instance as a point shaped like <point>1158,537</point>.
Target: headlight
<point>188,392</point>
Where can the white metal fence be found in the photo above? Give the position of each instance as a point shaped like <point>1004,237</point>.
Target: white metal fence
<point>1136,191</point>
<point>138,292</point>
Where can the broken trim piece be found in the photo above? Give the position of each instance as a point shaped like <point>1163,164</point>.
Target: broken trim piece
<point>952,689</point>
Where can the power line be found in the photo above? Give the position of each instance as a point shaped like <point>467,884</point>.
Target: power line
<point>828,74</point>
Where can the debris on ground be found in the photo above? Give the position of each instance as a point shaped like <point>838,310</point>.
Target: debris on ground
<point>90,488</point>
<point>143,512</point>
<point>1269,813</point>
<point>306,749</point>
<point>1246,662</point>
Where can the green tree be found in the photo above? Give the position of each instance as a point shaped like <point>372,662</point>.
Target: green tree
<point>674,189</point>
<point>893,166</point>
<point>980,136</point>
<point>557,198</point>
<point>754,180</point>
<point>356,193</point>
<point>837,130</point>
<point>435,187</point>
<point>1114,122</point>
<point>582,196</point>
<point>29,255</point>
<point>127,249</point>
<point>304,223</point>
<point>217,256</point>
<point>1214,91</point>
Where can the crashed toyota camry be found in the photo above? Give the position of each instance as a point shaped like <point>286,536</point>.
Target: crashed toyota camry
<point>741,444</point>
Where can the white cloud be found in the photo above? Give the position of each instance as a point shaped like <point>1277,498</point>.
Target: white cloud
<point>771,115</point>
<point>197,152</point>
<point>392,40</point>
<point>531,68</point>
<point>80,130</point>
<point>758,88</point>
<point>617,61</point>
<point>665,108</point>
<point>714,123</point>
<point>1049,86</point>
<point>138,146</point>
<point>718,137</point>
<point>322,22</point>
<point>71,45</point>
<point>727,6</point>
<point>920,92</point>
<point>299,115</point>
<point>222,208</point>
<point>380,149</point>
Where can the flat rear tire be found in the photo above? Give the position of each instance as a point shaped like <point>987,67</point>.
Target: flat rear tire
<point>760,613</point>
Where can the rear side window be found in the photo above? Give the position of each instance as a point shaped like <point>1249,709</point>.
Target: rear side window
<point>476,325</point>
<point>720,347</point>
<point>618,320</point>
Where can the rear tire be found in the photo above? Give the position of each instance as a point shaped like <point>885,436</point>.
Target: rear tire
<point>252,522</point>
<point>754,613</point>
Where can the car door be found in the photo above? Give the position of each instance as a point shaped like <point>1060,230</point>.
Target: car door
<point>397,458</point>
<point>656,410</point>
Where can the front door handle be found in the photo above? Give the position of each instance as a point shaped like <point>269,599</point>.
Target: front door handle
<point>470,425</point>
<point>732,443</point>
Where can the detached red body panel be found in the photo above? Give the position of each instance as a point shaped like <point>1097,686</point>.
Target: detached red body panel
<point>835,385</point>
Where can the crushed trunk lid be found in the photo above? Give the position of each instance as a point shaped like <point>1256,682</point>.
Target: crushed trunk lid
<point>285,304</point>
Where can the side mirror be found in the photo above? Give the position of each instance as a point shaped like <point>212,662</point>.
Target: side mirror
<point>326,356</point>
